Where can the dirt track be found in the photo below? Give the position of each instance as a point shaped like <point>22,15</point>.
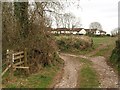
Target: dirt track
<point>107,77</point>
<point>69,79</point>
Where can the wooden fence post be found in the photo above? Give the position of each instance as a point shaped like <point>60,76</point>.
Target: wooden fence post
<point>11,62</point>
<point>8,56</point>
<point>25,61</point>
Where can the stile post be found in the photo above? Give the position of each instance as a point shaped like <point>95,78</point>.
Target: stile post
<point>11,62</point>
<point>25,57</point>
<point>25,61</point>
<point>8,57</point>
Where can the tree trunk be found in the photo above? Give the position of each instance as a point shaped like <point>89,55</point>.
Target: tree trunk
<point>21,13</point>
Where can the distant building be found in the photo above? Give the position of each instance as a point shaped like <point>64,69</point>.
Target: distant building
<point>95,32</point>
<point>61,31</point>
<point>68,31</point>
<point>102,32</point>
<point>77,31</point>
<point>83,32</point>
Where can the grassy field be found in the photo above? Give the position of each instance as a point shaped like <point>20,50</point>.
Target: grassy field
<point>107,50</point>
<point>87,75</point>
<point>103,40</point>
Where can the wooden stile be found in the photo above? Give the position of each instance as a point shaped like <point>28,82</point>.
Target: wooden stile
<point>16,60</point>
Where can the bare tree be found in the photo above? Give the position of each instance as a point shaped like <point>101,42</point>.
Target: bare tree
<point>95,25</point>
<point>114,32</point>
<point>68,20</point>
<point>76,23</point>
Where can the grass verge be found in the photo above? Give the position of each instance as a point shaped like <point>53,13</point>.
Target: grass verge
<point>88,77</point>
<point>42,79</point>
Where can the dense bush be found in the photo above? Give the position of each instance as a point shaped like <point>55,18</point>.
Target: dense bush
<point>73,42</point>
<point>115,57</point>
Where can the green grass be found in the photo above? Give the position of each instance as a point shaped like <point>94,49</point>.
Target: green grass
<point>87,75</point>
<point>102,52</point>
<point>38,80</point>
<point>106,51</point>
<point>86,62</point>
<point>97,41</point>
<point>11,86</point>
<point>89,78</point>
<point>42,79</point>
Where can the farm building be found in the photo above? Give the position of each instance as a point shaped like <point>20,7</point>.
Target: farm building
<point>77,31</point>
<point>69,31</point>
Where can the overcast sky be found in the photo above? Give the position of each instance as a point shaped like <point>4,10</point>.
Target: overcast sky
<point>103,11</point>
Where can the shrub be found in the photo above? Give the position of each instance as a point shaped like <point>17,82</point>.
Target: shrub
<point>108,35</point>
<point>73,42</point>
<point>115,57</point>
